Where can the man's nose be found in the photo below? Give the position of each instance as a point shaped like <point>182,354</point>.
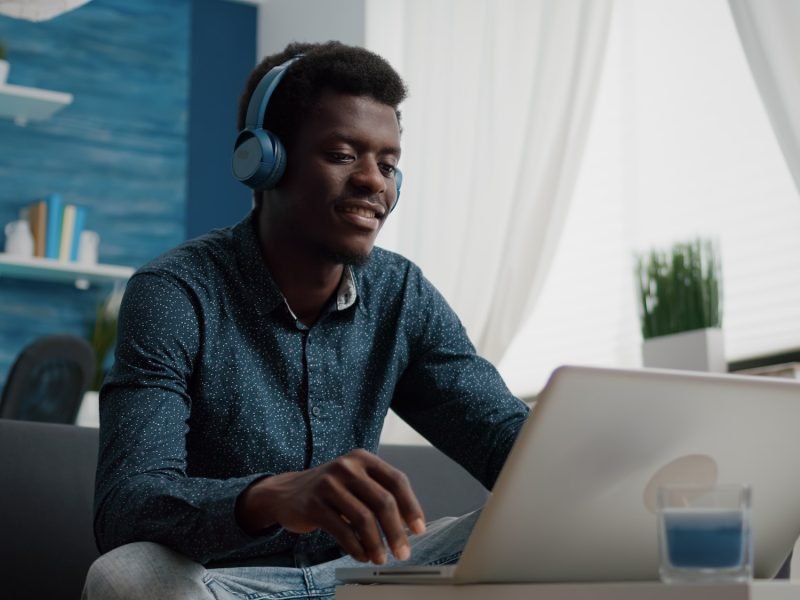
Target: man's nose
<point>368,177</point>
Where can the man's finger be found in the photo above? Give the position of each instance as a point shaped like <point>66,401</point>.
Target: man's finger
<point>362,522</point>
<point>396,482</point>
<point>383,506</point>
<point>332,522</point>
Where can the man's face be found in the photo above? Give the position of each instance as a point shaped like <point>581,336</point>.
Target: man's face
<point>339,184</point>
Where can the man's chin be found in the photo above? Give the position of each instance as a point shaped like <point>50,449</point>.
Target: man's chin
<point>349,258</point>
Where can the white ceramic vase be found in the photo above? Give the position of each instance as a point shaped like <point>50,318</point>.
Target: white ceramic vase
<point>698,350</point>
<point>89,413</point>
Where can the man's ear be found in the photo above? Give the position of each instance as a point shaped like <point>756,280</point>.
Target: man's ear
<point>258,199</point>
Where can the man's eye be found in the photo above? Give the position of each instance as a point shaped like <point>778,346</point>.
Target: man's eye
<point>387,169</point>
<point>339,157</point>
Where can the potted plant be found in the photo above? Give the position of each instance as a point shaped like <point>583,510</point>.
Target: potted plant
<point>104,334</point>
<point>4,66</point>
<point>680,306</point>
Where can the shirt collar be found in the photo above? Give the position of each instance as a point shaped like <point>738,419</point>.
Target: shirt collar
<point>347,292</point>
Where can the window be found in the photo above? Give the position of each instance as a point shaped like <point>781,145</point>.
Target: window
<point>680,147</point>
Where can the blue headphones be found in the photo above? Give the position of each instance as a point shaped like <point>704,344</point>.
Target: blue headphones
<point>259,158</point>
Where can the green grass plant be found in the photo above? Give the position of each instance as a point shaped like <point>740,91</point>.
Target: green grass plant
<point>679,288</point>
<point>104,334</point>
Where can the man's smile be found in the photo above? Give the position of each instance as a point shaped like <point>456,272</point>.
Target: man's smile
<point>362,215</point>
<point>361,212</point>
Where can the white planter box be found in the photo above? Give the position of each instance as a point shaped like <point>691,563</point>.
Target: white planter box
<point>698,350</point>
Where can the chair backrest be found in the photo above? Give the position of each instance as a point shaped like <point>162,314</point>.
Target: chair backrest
<point>48,379</point>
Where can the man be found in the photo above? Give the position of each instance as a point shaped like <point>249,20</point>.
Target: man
<point>255,366</point>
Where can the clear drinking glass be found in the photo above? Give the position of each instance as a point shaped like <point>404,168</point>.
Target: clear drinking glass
<point>704,533</point>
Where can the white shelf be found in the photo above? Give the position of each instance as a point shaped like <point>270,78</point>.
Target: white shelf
<point>48,269</point>
<point>25,104</point>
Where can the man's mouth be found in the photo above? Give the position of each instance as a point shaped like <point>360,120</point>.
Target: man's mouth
<point>361,216</point>
<point>361,212</point>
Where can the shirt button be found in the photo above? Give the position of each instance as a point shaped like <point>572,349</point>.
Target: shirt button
<point>316,411</point>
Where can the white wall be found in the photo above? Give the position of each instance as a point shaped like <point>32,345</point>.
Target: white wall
<point>284,21</point>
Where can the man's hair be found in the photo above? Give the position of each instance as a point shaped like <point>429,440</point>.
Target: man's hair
<point>331,66</point>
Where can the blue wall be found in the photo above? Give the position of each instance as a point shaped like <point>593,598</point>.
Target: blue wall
<point>145,145</point>
<point>120,149</point>
<point>223,53</point>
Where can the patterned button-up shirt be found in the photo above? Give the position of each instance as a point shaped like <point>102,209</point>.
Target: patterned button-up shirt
<point>216,384</point>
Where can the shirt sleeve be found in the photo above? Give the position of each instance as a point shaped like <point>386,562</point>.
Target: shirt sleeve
<point>142,490</point>
<point>453,397</point>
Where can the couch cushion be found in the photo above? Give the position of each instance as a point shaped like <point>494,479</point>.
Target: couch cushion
<point>47,482</point>
<point>443,487</point>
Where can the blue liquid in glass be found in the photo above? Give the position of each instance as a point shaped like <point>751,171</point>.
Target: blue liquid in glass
<point>705,538</point>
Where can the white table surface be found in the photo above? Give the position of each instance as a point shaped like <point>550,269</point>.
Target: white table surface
<point>759,590</point>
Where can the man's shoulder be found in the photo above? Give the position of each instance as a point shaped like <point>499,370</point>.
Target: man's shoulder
<point>382,257</point>
<point>389,267</point>
<point>389,274</point>
<point>198,257</point>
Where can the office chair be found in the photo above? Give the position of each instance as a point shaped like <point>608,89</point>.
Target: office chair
<point>48,379</point>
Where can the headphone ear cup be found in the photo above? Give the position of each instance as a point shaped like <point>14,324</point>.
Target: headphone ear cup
<point>259,159</point>
<point>279,162</point>
<point>398,180</point>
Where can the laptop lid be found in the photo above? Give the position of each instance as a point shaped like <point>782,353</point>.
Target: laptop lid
<point>575,500</point>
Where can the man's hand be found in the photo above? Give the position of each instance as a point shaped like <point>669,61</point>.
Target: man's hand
<point>353,497</point>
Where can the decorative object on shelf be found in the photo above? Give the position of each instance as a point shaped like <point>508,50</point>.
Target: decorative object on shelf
<point>680,304</point>
<point>19,240</point>
<point>38,10</point>
<point>4,65</point>
<point>104,333</point>
<point>88,247</point>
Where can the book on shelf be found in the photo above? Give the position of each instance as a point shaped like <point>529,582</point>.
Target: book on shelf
<point>55,214</point>
<point>56,227</point>
<point>67,230</point>
<point>37,217</point>
<point>80,224</point>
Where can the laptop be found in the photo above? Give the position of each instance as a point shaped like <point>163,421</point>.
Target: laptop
<point>575,501</point>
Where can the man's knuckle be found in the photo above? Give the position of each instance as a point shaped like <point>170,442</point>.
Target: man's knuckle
<point>327,482</point>
<point>361,518</point>
<point>386,502</point>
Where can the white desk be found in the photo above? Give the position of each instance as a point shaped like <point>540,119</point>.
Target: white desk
<point>760,590</point>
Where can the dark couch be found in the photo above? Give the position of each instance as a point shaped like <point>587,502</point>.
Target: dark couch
<point>46,493</point>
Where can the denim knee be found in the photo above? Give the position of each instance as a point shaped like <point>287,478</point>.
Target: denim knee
<point>144,570</point>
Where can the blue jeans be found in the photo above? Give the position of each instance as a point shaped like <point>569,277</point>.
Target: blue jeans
<point>149,570</point>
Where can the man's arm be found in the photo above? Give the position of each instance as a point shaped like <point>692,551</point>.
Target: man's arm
<point>143,492</point>
<point>456,399</point>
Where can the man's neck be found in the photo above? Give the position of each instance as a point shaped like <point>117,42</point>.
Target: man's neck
<point>306,280</point>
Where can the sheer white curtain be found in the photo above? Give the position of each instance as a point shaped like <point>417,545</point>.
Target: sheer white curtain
<point>768,30</point>
<point>680,147</point>
<point>501,95</point>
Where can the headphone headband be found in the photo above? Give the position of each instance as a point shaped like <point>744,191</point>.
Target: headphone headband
<point>257,107</point>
